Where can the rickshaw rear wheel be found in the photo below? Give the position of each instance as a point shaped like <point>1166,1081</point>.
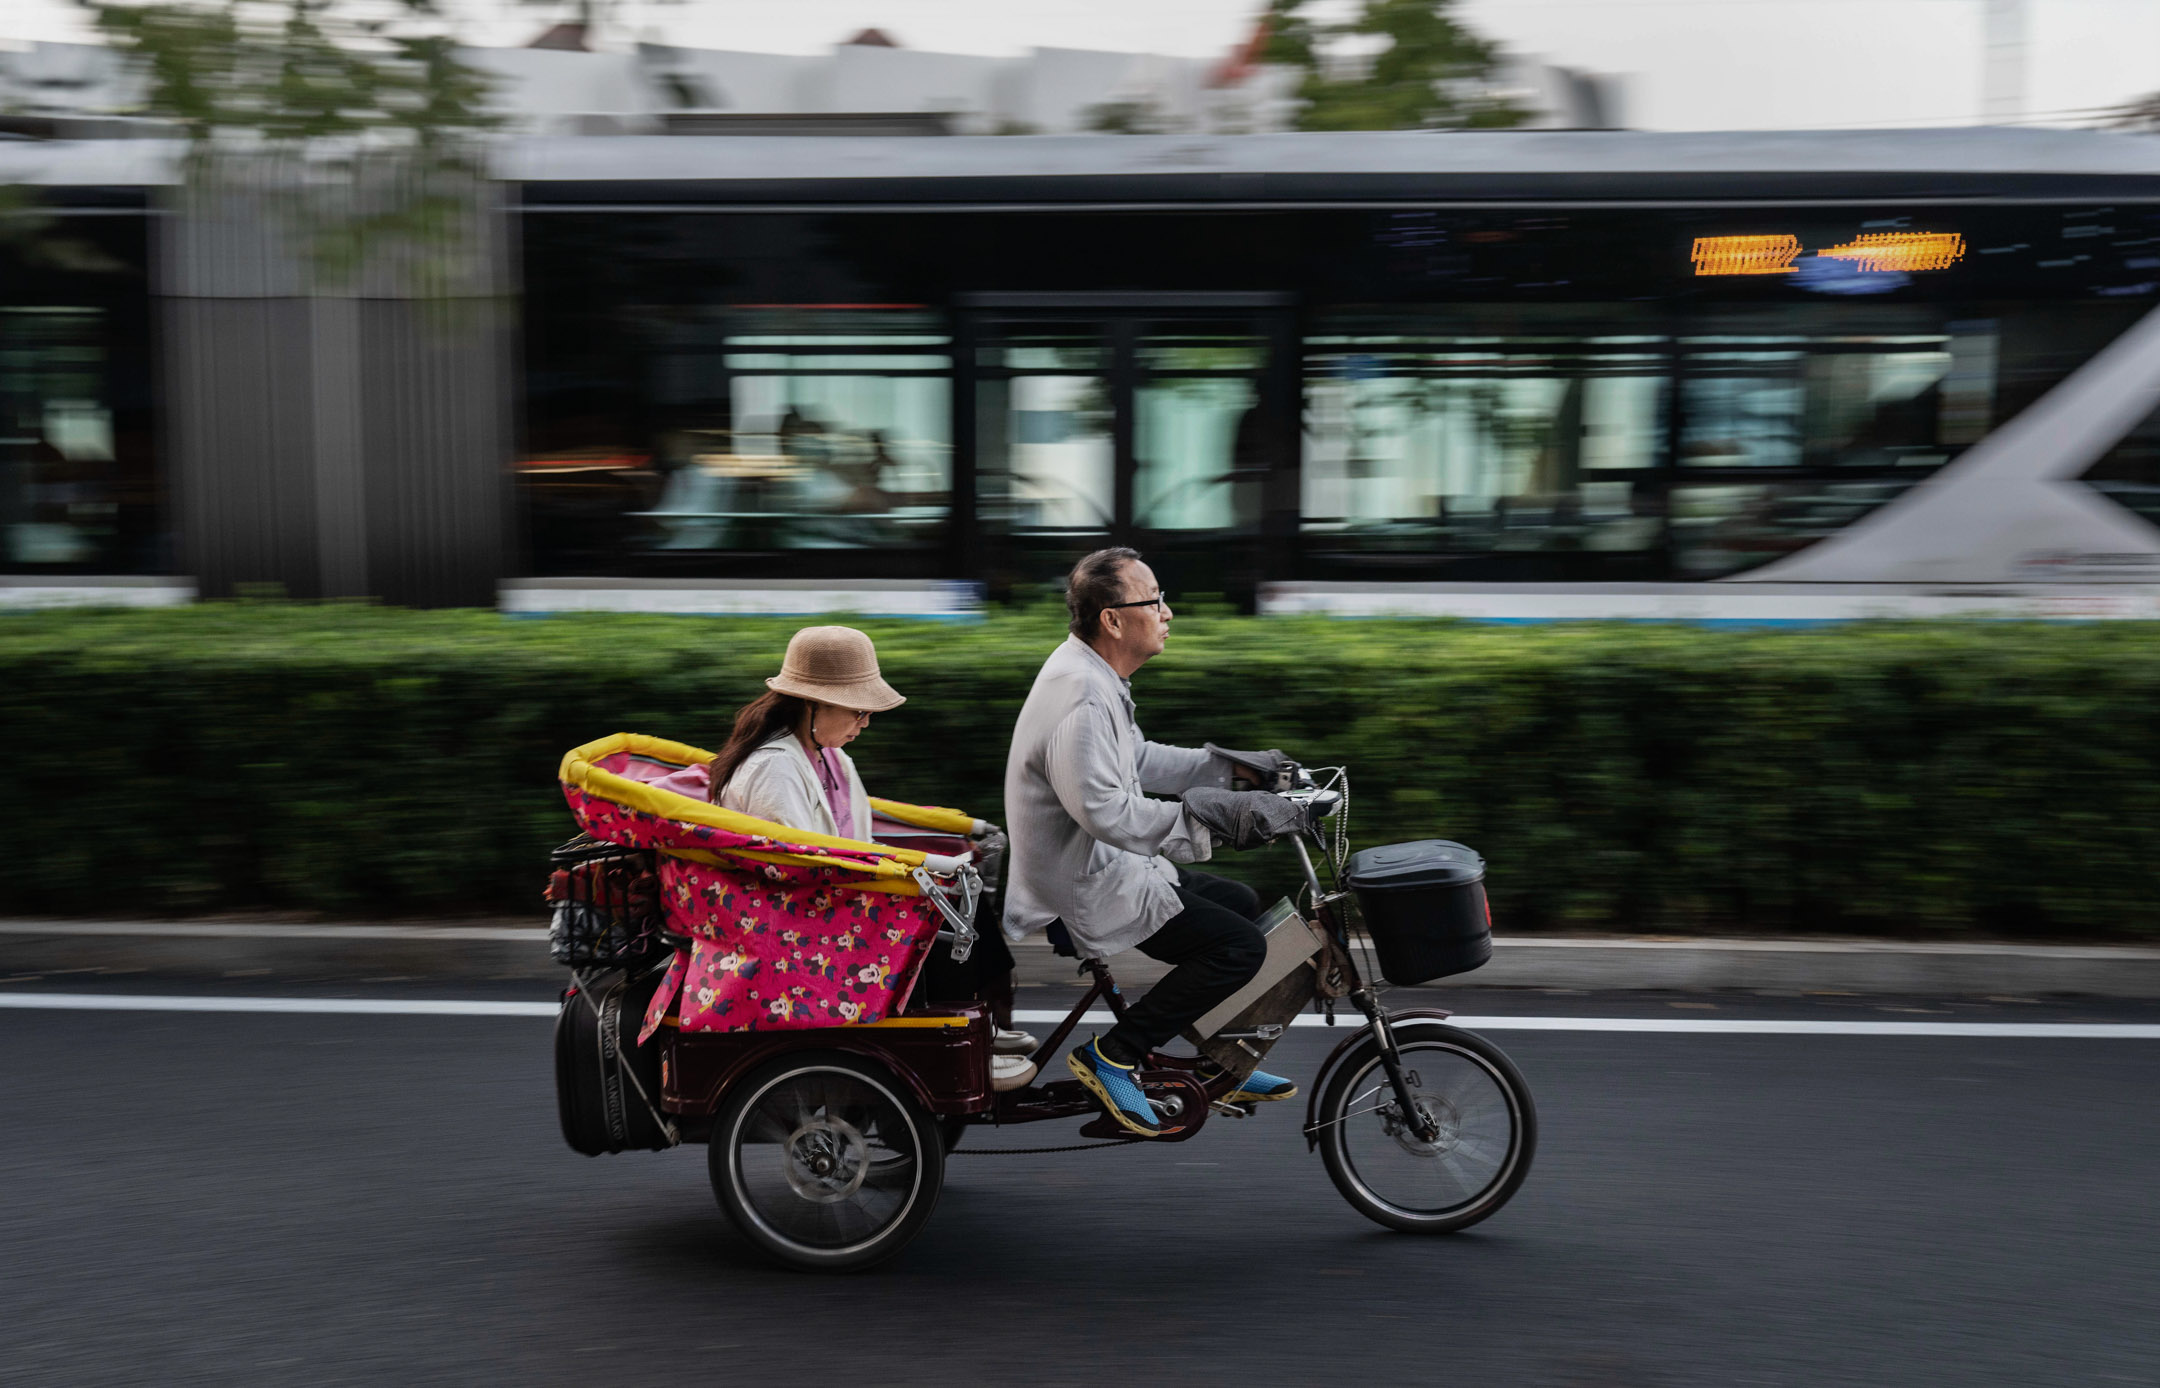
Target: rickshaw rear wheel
<point>1463,1157</point>
<point>826,1161</point>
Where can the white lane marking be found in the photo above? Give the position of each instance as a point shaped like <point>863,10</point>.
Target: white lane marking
<point>2114,1031</point>
<point>463,1007</point>
<point>380,1007</point>
<point>243,930</point>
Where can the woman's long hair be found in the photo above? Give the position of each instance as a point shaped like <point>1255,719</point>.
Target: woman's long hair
<point>760,720</point>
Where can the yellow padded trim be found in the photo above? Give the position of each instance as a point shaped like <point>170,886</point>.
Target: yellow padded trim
<point>579,769</point>
<point>925,816</point>
<point>914,1022</point>
<point>672,1020</point>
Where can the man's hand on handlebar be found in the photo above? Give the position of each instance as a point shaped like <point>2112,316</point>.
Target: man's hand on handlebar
<point>1244,818</point>
<point>1266,770</point>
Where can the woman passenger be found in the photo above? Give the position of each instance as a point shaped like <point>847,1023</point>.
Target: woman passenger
<point>783,761</point>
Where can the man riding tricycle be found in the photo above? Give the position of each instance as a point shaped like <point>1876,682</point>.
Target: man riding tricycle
<point>760,986</point>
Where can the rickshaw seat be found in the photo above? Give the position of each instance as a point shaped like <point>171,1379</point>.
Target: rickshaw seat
<point>788,929</point>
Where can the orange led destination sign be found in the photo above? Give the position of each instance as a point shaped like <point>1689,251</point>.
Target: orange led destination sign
<point>1901,250</point>
<point>1879,251</point>
<point>1746,255</point>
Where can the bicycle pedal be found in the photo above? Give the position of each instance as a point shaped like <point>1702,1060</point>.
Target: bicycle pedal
<point>1110,1129</point>
<point>1230,1110</point>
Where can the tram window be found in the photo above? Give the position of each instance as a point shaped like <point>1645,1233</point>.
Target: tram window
<point>74,497</point>
<point>1197,439</point>
<point>1453,444</point>
<point>1722,529</point>
<point>777,429</point>
<point>2129,473</point>
<point>1045,454</point>
<point>1847,401</point>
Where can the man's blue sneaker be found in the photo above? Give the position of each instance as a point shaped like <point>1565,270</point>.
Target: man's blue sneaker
<point>1259,1087</point>
<point>1113,1084</point>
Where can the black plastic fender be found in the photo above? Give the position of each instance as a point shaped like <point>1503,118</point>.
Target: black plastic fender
<point>1335,1058</point>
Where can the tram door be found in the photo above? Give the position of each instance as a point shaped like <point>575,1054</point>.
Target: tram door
<point>1169,426</point>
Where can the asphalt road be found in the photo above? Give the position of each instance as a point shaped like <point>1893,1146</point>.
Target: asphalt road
<point>216,1198</point>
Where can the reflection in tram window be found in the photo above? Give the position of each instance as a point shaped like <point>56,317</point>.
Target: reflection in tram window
<point>1853,419</point>
<point>2129,473</point>
<point>1722,529</point>
<point>831,440</point>
<point>1196,429</point>
<point>1193,441</point>
<point>1838,401</point>
<point>1046,459</point>
<point>777,430</point>
<point>72,498</point>
<point>1478,444</point>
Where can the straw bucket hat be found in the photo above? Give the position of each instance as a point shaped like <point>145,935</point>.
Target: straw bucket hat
<point>834,665</point>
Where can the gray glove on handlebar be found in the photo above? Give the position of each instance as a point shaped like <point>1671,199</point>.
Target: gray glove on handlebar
<point>1243,818</point>
<point>1268,766</point>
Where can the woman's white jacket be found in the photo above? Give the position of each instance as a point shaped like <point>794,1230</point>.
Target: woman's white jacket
<point>778,782</point>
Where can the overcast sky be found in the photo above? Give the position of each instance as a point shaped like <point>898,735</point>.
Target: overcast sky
<point>1688,64</point>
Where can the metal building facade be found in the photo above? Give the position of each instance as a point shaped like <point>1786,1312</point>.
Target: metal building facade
<point>335,435</point>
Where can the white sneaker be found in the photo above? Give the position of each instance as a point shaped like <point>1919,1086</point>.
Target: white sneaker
<point>1004,1042</point>
<point>1010,1072</point>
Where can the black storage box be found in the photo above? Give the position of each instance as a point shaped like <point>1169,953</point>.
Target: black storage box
<point>1424,906</point>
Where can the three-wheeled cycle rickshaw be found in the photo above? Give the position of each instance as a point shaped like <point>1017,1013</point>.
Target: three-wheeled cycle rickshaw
<point>830,1104</point>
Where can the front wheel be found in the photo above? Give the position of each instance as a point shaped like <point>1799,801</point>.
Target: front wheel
<point>1483,1124</point>
<point>825,1161</point>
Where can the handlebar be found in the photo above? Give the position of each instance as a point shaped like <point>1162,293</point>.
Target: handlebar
<point>1318,802</point>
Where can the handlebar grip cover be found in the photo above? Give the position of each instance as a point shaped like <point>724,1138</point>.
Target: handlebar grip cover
<point>946,864</point>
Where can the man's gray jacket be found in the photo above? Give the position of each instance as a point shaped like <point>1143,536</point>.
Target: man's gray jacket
<point>1088,846</point>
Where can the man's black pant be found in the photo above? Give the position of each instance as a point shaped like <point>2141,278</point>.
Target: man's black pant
<point>1216,950</point>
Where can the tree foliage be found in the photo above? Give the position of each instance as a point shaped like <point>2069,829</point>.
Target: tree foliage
<point>1395,65</point>
<point>332,89</point>
<point>301,74</point>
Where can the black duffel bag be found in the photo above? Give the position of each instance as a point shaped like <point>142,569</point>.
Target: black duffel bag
<point>606,1085</point>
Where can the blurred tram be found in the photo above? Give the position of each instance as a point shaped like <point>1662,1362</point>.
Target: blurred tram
<point>1501,375</point>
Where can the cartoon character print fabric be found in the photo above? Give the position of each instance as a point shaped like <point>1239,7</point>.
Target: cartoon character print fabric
<point>778,948</point>
<point>775,946</point>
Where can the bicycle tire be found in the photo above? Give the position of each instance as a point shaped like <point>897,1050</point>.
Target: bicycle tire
<point>861,1123</point>
<point>1355,1150</point>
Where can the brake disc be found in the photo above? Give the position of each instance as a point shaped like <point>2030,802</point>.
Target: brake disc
<point>1437,1113</point>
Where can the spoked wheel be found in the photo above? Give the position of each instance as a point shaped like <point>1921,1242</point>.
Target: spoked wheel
<point>1473,1155</point>
<point>824,1161</point>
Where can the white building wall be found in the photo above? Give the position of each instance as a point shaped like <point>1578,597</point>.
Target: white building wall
<point>539,89</point>
<point>865,78</point>
<point>1059,85</point>
<point>727,80</point>
<point>1048,91</point>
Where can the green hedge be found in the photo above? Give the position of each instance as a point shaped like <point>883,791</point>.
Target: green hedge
<point>1910,778</point>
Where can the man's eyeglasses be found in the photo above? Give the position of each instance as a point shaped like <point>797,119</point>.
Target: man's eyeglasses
<point>1158,601</point>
